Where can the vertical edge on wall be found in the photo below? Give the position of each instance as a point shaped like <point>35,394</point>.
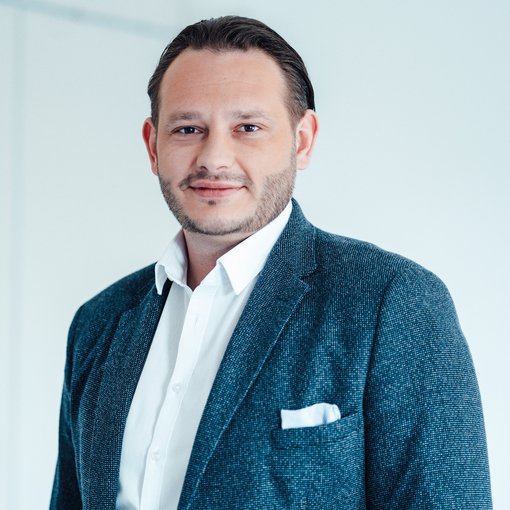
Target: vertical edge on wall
<point>16,247</point>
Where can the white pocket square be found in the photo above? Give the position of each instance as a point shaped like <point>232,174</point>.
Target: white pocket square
<point>318,414</point>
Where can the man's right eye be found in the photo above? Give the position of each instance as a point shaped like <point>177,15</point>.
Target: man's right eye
<point>187,130</point>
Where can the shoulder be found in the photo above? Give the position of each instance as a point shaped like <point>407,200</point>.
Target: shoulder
<point>339,265</point>
<point>352,260</point>
<point>122,295</point>
<point>127,291</point>
<point>411,306</point>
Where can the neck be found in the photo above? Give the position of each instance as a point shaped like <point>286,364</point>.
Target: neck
<point>203,252</point>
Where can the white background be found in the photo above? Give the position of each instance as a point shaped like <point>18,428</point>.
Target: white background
<point>413,155</point>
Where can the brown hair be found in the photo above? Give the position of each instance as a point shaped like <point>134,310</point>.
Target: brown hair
<point>238,33</point>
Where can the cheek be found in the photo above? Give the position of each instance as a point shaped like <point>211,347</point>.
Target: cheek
<point>176,159</point>
<point>267,158</point>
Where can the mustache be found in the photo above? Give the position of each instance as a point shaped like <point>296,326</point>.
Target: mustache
<point>205,174</point>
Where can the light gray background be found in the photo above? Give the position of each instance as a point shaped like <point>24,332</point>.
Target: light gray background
<point>413,155</point>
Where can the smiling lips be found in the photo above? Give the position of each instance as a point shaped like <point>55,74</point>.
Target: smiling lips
<point>215,189</point>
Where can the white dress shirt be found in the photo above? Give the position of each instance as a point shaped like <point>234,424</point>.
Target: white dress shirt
<point>188,346</point>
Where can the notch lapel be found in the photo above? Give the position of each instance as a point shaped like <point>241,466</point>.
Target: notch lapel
<point>276,295</point>
<point>123,366</point>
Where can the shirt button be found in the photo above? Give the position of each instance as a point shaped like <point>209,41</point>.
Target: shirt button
<point>176,387</point>
<point>156,455</point>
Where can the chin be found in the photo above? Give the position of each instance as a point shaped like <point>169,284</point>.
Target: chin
<point>219,226</point>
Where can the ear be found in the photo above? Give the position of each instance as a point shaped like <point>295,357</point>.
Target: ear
<point>149,137</point>
<point>306,133</point>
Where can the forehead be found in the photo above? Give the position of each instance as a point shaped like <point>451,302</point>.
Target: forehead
<point>236,78</point>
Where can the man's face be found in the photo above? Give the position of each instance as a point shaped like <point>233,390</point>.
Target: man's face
<point>225,149</point>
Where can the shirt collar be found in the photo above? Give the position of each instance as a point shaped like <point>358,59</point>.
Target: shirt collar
<point>173,265</point>
<point>241,264</point>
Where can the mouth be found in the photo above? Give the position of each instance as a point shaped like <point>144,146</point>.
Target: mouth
<point>216,189</point>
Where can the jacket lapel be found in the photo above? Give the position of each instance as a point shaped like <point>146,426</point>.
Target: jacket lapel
<point>276,295</point>
<point>126,357</point>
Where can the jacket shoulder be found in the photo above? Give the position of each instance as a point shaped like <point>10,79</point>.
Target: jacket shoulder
<point>363,260</point>
<point>122,295</point>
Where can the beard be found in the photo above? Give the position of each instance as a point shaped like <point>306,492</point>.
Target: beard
<point>276,192</point>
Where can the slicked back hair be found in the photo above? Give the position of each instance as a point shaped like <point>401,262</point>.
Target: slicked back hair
<point>231,33</point>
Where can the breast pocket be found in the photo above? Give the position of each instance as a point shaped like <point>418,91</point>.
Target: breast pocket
<point>316,467</point>
<point>315,436</point>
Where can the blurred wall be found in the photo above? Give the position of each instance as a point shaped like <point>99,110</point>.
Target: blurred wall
<point>412,155</point>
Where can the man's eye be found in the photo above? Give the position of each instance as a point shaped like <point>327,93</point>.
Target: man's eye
<point>187,130</point>
<point>248,128</point>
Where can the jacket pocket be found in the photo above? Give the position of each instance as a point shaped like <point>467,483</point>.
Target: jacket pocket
<point>315,436</point>
<point>320,467</point>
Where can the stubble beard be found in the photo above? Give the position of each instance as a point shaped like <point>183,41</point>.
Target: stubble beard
<point>276,193</point>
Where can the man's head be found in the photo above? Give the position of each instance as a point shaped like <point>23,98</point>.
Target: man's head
<point>228,129</point>
<point>230,33</point>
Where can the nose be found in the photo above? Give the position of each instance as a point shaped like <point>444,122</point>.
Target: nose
<point>216,152</point>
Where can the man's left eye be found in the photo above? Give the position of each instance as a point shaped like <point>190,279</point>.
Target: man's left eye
<point>248,128</point>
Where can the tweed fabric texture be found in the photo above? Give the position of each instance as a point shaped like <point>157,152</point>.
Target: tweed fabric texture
<point>330,319</point>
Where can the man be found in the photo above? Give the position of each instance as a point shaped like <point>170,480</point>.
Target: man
<point>262,363</point>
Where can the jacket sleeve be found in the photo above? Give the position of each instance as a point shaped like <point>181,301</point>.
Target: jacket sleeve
<point>66,493</point>
<point>425,438</point>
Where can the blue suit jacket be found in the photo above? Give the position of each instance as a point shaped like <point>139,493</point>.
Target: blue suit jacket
<point>330,320</point>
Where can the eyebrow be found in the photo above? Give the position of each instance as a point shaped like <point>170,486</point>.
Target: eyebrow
<point>179,116</point>
<point>251,114</point>
<point>182,115</point>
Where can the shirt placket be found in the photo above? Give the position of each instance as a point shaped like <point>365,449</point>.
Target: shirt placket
<point>190,344</point>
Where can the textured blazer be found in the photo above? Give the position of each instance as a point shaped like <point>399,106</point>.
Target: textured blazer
<point>330,320</point>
